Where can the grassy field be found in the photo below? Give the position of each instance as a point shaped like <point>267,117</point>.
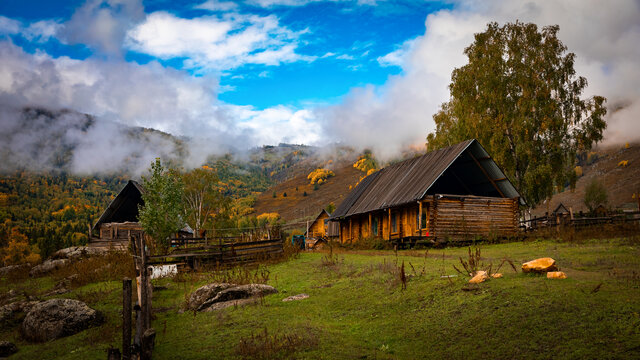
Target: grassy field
<point>358,309</point>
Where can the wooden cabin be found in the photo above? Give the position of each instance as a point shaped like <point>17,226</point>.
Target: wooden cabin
<point>321,227</point>
<point>120,219</point>
<point>455,193</point>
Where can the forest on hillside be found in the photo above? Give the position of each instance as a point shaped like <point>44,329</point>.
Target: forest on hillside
<point>55,209</point>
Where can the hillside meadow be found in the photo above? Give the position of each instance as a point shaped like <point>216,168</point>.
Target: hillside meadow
<point>357,307</point>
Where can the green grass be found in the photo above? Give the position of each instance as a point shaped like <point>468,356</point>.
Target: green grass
<point>357,309</point>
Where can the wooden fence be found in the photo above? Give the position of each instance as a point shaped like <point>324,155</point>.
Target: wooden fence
<point>224,251</point>
<point>579,222</point>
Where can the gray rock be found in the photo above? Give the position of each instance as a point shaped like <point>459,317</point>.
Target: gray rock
<point>9,312</point>
<point>48,266</point>
<point>56,318</point>
<point>205,293</point>
<point>296,297</point>
<point>4,271</point>
<point>208,295</point>
<point>230,303</point>
<point>76,252</point>
<point>7,349</point>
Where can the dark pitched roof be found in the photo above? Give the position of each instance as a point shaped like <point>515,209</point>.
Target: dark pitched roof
<point>410,180</point>
<point>561,209</point>
<point>124,207</point>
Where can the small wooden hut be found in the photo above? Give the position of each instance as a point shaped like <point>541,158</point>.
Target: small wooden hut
<point>455,193</point>
<point>321,227</point>
<point>120,219</point>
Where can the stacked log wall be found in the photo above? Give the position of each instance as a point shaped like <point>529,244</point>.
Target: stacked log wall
<point>465,218</point>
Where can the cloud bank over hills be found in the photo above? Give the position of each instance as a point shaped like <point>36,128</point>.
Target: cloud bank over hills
<point>177,89</point>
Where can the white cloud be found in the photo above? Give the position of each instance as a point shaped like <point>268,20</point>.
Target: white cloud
<point>279,124</point>
<point>298,3</point>
<point>9,26</point>
<point>215,5</point>
<point>213,42</point>
<point>149,96</point>
<point>39,31</point>
<point>345,57</point>
<point>398,56</point>
<point>102,24</point>
<point>399,113</point>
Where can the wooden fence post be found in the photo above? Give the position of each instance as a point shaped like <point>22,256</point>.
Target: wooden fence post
<point>126,319</point>
<point>145,302</point>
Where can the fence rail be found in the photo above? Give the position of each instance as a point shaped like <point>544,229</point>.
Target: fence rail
<point>579,222</point>
<point>195,252</point>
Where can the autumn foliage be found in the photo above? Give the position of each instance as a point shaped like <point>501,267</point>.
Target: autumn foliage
<point>366,163</point>
<point>319,176</point>
<point>18,251</point>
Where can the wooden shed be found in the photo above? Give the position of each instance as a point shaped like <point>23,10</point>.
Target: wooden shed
<point>120,218</point>
<point>455,193</point>
<point>321,227</point>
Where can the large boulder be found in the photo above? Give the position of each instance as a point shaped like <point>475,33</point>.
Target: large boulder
<point>48,266</point>
<point>56,318</point>
<point>76,252</point>
<point>216,296</point>
<point>541,265</point>
<point>7,349</point>
<point>204,293</point>
<point>10,313</point>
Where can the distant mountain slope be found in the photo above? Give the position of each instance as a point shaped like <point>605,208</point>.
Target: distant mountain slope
<point>296,207</point>
<point>37,140</point>
<point>621,181</point>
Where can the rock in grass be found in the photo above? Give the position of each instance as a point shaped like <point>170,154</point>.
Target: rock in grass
<point>7,349</point>
<point>479,277</point>
<point>56,318</point>
<point>205,293</point>
<point>76,252</point>
<point>5,271</point>
<point>48,266</point>
<point>296,297</point>
<point>541,265</point>
<point>206,296</point>
<point>556,275</point>
<point>9,314</point>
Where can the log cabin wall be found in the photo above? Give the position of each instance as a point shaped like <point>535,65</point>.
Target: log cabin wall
<point>119,231</point>
<point>464,218</point>
<point>444,217</point>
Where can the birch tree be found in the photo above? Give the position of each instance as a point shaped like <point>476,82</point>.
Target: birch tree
<point>519,95</point>
<point>202,200</point>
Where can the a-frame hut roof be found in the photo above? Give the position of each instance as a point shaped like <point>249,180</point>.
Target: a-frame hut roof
<point>561,209</point>
<point>323,211</point>
<point>124,207</point>
<point>462,169</point>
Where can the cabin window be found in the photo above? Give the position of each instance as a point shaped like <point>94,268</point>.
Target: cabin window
<point>424,220</point>
<point>394,223</point>
<point>374,226</point>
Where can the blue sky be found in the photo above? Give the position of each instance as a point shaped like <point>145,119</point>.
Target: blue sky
<point>338,44</point>
<point>367,73</point>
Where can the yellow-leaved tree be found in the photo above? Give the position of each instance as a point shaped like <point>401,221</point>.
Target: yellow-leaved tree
<point>18,250</point>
